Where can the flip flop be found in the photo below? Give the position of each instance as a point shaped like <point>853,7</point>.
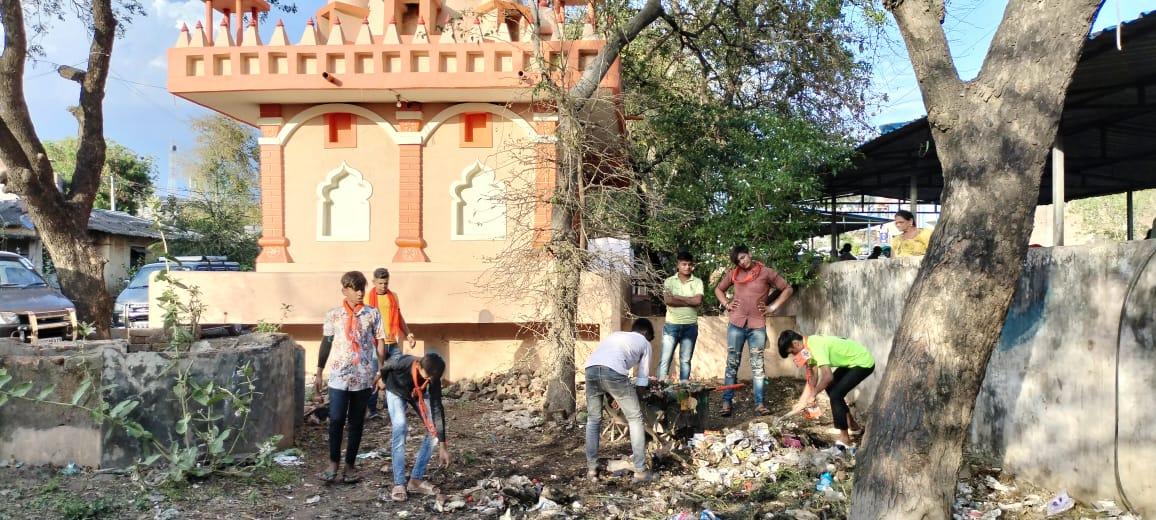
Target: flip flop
<point>762,410</point>
<point>398,494</point>
<point>350,479</point>
<point>328,477</point>
<point>423,488</point>
<point>726,410</point>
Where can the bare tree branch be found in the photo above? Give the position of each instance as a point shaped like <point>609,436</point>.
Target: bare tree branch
<point>71,73</point>
<point>90,150</point>
<point>13,107</point>
<point>921,23</point>
<point>592,76</point>
<point>1012,42</point>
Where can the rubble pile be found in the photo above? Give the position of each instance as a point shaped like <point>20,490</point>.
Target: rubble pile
<point>519,385</point>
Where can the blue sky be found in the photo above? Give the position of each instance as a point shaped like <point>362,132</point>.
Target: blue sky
<point>142,115</point>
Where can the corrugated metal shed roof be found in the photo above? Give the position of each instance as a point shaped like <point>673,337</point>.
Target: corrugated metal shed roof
<point>1108,128</point>
<point>13,215</point>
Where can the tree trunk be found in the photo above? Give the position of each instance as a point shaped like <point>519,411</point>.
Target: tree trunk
<point>79,265</point>
<point>992,136</point>
<point>562,330</point>
<point>61,219</point>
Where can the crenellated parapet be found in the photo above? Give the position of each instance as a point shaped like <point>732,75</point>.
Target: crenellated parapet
<point>483,53</point>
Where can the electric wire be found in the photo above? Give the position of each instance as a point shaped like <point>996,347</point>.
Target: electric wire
<point>1119,337</point>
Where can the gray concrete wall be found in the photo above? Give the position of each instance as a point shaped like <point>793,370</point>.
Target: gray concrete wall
<point>47,434</point>
<point>1047,405</point>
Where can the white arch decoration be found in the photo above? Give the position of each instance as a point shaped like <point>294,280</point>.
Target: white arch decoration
<point>486,194</point>
<point>463,108</point>
<point>296,121</point>
<point>357,228</point>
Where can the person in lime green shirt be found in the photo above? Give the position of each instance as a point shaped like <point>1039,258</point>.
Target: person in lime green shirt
<point>683,295</point>
<point>818,355</point>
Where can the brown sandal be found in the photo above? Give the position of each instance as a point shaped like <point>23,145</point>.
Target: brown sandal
<point>726,410</point>
<point>398,494</point>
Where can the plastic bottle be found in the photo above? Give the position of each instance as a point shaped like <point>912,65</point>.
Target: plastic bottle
<point>825,482</point>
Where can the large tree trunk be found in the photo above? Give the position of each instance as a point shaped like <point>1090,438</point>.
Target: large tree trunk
<point>61,219</point>
<point>567,269</point>
<point>992,136</point>
<point>562,327</point>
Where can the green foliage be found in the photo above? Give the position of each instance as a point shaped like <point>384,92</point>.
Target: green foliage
<point>76,508</point>
<point>182,312</point>
<point>732,176</point>
<point>221,215</point>
<point>132,174</point>
<point>268,327</point>
<point>743,105</point>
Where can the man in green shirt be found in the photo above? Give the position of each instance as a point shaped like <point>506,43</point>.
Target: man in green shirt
<point>818,355</point>
<point>683,295</point>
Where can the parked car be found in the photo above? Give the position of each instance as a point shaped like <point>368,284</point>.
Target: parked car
<point>132,305</point>
<point>31,310</point>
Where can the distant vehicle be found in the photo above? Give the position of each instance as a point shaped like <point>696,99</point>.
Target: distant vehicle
<point>132,305</point>
<point>31,310</point>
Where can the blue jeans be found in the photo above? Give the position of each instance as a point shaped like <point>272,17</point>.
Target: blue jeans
<point>397,419</point>
<point>601,381</point>
<point>391,349</point>
<point>345,405</point>
<point>757,339</point>
<point>685,337</point>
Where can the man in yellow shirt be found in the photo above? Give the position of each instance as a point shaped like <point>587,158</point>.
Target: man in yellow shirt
<point>682,294</point>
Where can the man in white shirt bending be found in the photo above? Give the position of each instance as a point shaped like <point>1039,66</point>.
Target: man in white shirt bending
<point>608,373</point>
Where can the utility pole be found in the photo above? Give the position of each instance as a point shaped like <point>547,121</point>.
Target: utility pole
<point>112,190</point>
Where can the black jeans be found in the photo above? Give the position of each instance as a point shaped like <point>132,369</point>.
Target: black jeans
<point>344,404</point>
<point>843,381</point>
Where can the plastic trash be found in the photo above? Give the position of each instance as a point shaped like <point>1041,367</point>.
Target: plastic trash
<point>70,470</point>
<point>288,460</point>
<point>825,482</point>
<point>1060,503</point>
<point>707,514</point>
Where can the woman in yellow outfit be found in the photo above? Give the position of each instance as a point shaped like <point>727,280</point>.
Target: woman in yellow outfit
<point>911,240</point>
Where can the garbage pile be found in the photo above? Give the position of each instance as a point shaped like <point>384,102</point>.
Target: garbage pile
<point>772,462</point>
<point>520,385</point>
<point>988,493</point>
<point>515,496</point>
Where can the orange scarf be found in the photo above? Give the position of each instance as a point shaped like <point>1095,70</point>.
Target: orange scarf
<point>351,329</point>
<point>753,273</point>
<point>394,313</point>
<point>419,395</point>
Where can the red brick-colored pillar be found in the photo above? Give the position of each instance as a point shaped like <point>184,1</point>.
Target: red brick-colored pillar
<point>274,245</point>
<point>545,175</point>
<point>410,244</point>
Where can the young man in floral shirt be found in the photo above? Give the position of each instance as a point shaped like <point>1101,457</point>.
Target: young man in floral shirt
<point>351,335</point>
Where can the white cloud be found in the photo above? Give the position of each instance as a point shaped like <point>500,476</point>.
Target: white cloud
<point>188,11</point>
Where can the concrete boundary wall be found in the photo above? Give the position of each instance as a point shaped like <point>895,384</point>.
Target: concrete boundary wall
<point>1047,405</point>
<point>38,433</point>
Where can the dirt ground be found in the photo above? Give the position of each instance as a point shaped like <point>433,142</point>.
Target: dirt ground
<point>482,446</point>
